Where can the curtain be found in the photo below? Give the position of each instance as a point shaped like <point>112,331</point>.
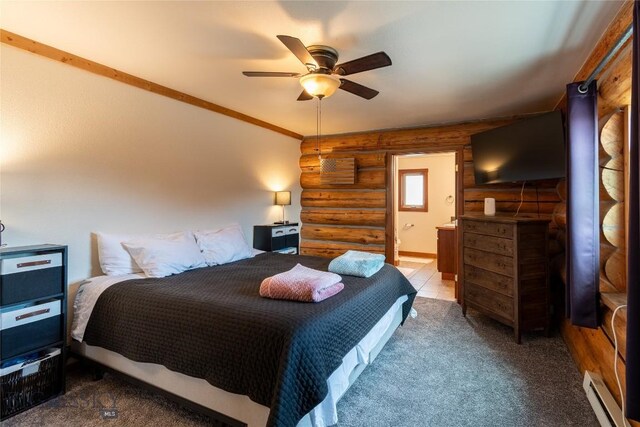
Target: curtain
<point>583,218</point>
<point>633,247</point>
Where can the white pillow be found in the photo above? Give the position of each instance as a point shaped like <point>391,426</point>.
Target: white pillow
<point>164,255</point>
<point>224,245</point>
<point>114,259</point>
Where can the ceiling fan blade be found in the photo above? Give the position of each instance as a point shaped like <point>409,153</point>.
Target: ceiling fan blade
<point>304,96</point>
<point>269,74</point>
<point>369,62</point>
<point>358,89</point>
<point>299,50</point>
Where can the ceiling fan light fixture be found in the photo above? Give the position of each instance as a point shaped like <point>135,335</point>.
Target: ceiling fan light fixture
<point>320,85</point>
<point>325,76</point>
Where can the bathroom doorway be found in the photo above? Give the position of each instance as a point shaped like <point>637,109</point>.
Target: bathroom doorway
<point>425,202</point>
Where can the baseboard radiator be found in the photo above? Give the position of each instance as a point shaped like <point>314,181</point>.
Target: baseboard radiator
<point>604,405</point>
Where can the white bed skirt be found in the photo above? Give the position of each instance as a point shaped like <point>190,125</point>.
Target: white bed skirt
<point>239,406</point>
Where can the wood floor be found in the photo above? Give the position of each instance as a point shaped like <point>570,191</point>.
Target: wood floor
<point>426,279</point>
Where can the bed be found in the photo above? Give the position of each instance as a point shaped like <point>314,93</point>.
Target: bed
<point>206,336</point>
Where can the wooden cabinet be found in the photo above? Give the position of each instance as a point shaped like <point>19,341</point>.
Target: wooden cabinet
<point>505,272</point>
<point>447,253</point>
<point>33,306</point>
<point>284,238</point>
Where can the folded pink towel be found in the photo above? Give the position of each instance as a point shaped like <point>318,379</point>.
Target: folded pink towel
<point>301,284</point>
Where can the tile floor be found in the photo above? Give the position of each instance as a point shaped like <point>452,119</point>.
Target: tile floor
<point>426,279</point>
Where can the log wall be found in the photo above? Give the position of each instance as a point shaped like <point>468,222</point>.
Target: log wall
<point>592,349</point>
<point>340,217</point>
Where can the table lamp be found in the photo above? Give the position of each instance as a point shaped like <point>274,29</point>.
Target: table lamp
<point>282,198</point>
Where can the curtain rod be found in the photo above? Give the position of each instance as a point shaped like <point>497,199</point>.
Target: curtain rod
<point>621,41</point>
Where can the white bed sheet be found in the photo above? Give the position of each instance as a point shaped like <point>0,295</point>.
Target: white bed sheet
<point>87,296</point>
<point>323,415</point>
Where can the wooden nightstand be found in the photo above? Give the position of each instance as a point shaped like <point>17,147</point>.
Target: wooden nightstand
<point>33,306</point>
<point>283,238</point>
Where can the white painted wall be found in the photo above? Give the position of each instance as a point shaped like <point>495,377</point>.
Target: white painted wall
<point>81,153</point>
<point>422,237</point>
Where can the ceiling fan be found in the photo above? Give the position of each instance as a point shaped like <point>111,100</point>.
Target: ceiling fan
<point>324,76</point>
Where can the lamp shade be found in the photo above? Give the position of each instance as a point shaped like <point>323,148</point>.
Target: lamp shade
<point>283,198</point>
<point>320,85</point>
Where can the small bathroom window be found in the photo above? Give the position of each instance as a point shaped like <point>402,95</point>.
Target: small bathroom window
<point>413,190</point>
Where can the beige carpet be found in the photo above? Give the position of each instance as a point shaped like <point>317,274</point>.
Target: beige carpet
<point>85,401</point>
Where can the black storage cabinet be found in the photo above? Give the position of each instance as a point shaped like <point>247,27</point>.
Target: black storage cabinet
<point>33,306</point>
<point>276,237</point>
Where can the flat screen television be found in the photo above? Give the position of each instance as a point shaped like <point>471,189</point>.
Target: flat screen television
<point>528,150</point>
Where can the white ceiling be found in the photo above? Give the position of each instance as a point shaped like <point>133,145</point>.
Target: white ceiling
<point>452,60</point>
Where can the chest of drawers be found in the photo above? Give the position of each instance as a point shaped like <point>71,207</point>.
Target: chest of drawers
<point>505,270</point>
<point>33,305</point>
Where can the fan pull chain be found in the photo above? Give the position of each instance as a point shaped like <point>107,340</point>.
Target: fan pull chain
<point>319,127</point>
<point>318,121</point>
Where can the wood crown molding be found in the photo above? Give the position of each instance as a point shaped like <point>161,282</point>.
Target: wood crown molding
<point>50,52</point>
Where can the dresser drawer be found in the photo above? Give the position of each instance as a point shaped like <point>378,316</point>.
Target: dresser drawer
<point>487,279</point>
<point>30,327</point>
<point>489,228</point>
<point>278,231</point>
<point>30,277</point>
<point>30,263</point>
<point>497,303</point>
<point>496,245</point>
<point>487,261</point>
<point>293,229</point>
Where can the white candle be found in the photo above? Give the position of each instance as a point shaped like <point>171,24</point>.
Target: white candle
<point>489,206</point>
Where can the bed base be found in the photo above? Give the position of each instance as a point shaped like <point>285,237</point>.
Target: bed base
<point>196,394</point>
<point>217,418</point>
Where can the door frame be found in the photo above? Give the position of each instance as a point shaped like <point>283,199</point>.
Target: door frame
<point>390,211</point>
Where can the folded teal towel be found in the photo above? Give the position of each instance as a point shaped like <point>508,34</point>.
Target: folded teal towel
<point>357,263</point>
